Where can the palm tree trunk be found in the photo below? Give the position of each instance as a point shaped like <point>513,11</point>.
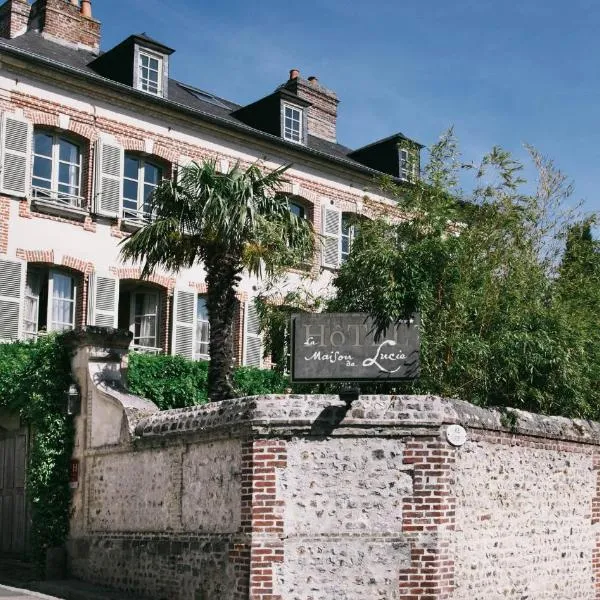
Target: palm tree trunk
<point>222,277</point>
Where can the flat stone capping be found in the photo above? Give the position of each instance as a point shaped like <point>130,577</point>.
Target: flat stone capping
<point>328,415</point>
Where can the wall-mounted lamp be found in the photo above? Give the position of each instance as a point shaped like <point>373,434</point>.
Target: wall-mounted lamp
<point>73,400</point>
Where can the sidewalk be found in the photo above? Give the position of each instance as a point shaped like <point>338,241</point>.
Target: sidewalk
<point>19,581</point>
<point>11,593</point>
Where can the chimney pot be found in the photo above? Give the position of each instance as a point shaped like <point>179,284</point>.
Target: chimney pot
<point>313,80</point>
<point>86,8</point>
<point>294,74</point>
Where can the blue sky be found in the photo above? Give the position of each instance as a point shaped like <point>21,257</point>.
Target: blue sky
<point>502,72</point>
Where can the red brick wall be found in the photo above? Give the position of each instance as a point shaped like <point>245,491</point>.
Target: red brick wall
<point>430,509</point>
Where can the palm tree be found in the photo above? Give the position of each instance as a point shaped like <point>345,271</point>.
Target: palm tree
<point>228,222</point>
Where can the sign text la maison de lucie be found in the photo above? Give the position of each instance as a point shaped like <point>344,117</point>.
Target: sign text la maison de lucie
<point>346,347</point>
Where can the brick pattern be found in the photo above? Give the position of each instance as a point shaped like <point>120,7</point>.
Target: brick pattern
<point>14,15</point>
<point>429,510</point>
<point>262,514</point>
<point>4,218</point>
<point>322,114</point>
<point>135,273</point>
<point>64,21</point>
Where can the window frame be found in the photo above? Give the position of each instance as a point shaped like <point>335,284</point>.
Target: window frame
<point>53,194</point>
<point>303,210</point>
<point>407,165</point>
<point>198,341</point>
<point>141,81</point>
<point>301,112</point>
<point>50,276</point>
<point>133,316</point>
<point>350,235</point>
<point>141,216</point>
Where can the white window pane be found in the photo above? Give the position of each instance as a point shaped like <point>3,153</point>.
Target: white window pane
<point>31,305</point>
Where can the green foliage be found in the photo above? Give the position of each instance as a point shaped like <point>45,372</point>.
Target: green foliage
<point>33,381</point>
<point>175,382</point>
<point>508,317</point>
<point>229,222</point>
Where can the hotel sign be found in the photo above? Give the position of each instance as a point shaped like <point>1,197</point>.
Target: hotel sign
<point>344,347</point>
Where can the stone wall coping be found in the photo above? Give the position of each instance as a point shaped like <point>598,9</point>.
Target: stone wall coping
<point>288,415</point>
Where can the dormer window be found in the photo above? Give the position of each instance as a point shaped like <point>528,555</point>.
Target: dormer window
<point>293,123</point>
<point>150,73</point>
<point>407,165</point>
<point>404,165</point>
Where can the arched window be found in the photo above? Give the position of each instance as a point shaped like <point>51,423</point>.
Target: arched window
<point>297,209</point>
<point>141,177</point>
<point>56,172</point>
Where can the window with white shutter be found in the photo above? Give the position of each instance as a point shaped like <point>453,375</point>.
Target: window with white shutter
<point>16,155</point>
<point>103,300</point>
<point>184,323</point>
<point>109,178</point>
<point>12,281</point>
<point>331,230</point>
<point>253,349</point>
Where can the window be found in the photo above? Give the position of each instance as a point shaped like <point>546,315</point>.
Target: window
<point>298,210</point>
<point>202,330</point>
<point>150,73</point>
<point>292,123</point>
<point>56,169</point>
<point>349,230</point>
<point>144,316</point>
<point>408,166</point>
<point>140,179</point>
<point>49,302</point>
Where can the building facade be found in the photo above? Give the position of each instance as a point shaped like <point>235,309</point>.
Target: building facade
<point>85,138</point>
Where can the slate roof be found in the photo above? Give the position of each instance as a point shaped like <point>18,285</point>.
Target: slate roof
<point>34,46</point>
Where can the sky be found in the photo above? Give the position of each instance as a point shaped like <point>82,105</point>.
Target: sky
<point>502,72</point>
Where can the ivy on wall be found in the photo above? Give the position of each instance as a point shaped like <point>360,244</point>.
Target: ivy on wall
<point>33,381</point>
<point>175,382</point>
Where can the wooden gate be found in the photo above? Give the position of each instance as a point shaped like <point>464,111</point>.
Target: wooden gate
<point>13,507</point>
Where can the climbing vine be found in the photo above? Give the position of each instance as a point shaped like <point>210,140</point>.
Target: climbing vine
<point>33,381</point>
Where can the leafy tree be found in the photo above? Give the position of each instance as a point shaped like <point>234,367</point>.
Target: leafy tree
<point>484,270</point>
<point>227,222</point>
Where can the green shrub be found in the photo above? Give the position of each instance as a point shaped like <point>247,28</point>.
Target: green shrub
<point>33,381</point>
<point>175,382</point>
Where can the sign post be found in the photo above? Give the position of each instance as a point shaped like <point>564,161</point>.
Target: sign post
<point>344,347</point>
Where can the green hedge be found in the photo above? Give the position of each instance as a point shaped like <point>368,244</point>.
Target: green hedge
<point>175,382</point>
<point>33,381</point>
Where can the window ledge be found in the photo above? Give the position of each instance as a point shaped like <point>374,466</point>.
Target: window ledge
<point>146,349</point>
<point>59,209</point>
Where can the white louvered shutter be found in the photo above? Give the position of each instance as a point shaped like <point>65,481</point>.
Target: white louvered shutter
<point>103,300</point>
<point>253,350</point>
<point>109,178</point>
<point>12,283</point>
<point>331,226</point>
<point>17,134</point>
<point>184,323</point>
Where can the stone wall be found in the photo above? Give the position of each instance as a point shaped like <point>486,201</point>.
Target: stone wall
<point>301,498</point>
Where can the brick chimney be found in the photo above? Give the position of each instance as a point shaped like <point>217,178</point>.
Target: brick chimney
<point>14,16</point>
<point>63,21</point>
<point>322,115</point>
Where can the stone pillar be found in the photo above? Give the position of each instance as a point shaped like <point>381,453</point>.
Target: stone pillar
<point>107,410</point>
